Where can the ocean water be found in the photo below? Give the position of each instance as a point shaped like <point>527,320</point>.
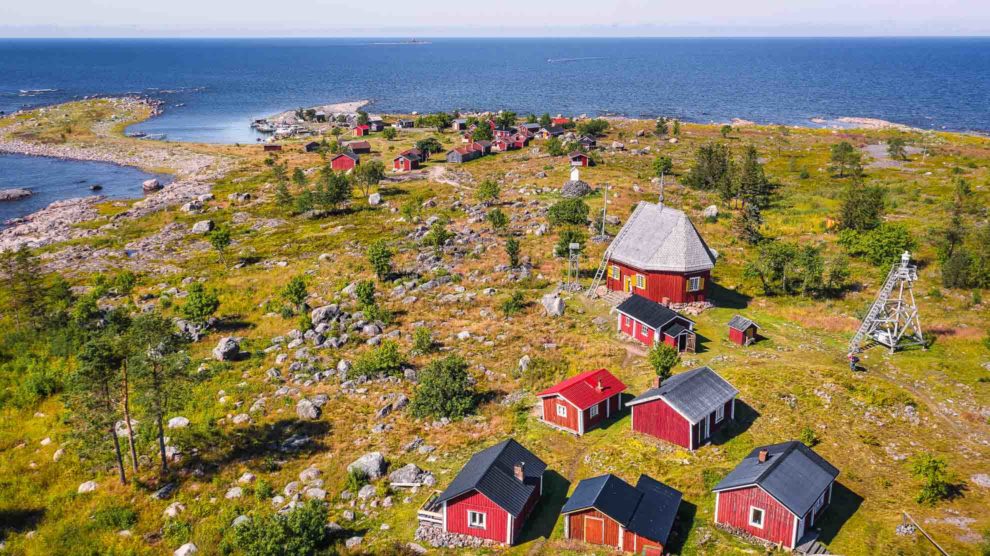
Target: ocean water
<point>52,180</point>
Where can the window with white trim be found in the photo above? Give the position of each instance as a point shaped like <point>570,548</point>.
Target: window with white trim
<point>626,320</point>
<point>476,520</point>
<point>561,410</point>
<point>593,412</point>
<point>615,272</point>
<point>756,517</point>
<point>640,281</point>
<point>694,284</point>
<point>720,414</point>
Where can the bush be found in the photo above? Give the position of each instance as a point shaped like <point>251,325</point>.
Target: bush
<point>513,304</point>
<point>488,191</point>
<point>567,237</point>
<point>808,437</point>
<point>356,478</point>
<point>880,246</point>
<point>936,480</point>
<point>380,257</point>
<point>115,518</point>
<point>862,207</point>
<point>423,340</point>
<point>200,303</point>
<point>263,490</point>
<point>384,359</point>
<point>568,211</point>
<point>437,237</point>
<point>295,293</point>
<point>498,220</point>
<point>365,293</point>
<point>444,390</point>
<point>594,128</point>
<point>301,531</point>
<point>512,250</point>
<point>663,358</point>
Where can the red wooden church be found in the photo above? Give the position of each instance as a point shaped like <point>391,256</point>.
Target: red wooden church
<point>493,495</point>
<point>607,511</point>
<point>777,493</point>
<point>583,401</point>
<point>660,255</point>
<point>686,409</point>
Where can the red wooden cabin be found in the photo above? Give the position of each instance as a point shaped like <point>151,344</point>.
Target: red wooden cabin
<point>361,130</point>
<point>777,493</point>
<point>271,148</point>
<point>345,161</point>
<point>494,493</point>
<point>578,158</point>
<point>359,147</point>
<point>652,323</point>
<point>607,511</point>
<point>583,401</point>
<point>560,120</point>
<point>521,139</point>
<point>742,331</point>
<point>660,255</point>
<point>405,163</point>
<point>686,409</point>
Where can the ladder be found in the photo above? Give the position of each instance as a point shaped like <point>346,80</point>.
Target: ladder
<point>890,319</point>
<point>603,265</point>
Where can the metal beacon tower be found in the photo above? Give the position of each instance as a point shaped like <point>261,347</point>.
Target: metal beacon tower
<point>893,318</point>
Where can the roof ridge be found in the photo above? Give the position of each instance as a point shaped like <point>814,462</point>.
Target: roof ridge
<point>777,460</point>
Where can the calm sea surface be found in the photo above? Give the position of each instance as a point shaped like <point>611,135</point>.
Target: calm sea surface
<point>213,88</point>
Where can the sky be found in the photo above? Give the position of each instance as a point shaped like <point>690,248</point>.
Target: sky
<point>491,18</point>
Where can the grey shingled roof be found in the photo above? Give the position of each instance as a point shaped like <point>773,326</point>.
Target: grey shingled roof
<point>490,472</point>
<point>693,394</point>
<point>648,509</point>
<point>740,322</point>
<point>661,238</point>
<point>649,312</point>
<point>793,474</point>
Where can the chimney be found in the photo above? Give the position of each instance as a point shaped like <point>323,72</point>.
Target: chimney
<point>518,471</point>
<point>762,457</point>
<point>601,387</point>
<point>658,381</point>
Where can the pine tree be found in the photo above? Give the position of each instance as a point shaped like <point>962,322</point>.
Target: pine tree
<point>512,250</point>
<point>747,224</point>
<point>754,188</point>
<point>380,257</point>
<point>94,397</point>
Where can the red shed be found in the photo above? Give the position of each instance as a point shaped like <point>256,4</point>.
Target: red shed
<point>272,148</point>
<point>493,495</point>
<point>777,493</point>
<point>582,402</point>
<point>607,511</point>
<point>359,147</point>
<point>686,409</point>
<point>742,330</point>
<point>652,323</point>
<point>660,255</point>
<point>578,158</point>
<point>361,130</point>
<point>345,161</point>
<point>560,120</point>
<point>405,163</point>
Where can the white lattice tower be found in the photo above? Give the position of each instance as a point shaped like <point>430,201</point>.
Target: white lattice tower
<point>893,318</point>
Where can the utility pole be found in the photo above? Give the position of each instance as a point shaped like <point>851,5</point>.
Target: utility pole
<point>604,209</point>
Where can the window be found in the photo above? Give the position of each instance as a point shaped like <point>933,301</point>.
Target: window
<point>593,412</point>
<point>720,414</point>
<point>694,284</point>
<point>476,520</point>
<point>626,320</point>
<point>615,272</point>
<point>640,281</point>
<point>561,410</point>
<point>756,517</point>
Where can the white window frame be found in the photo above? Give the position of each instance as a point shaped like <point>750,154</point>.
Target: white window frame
<point>561,410</point>
<point>694,283</point>
<point>474,522</point>
<point>593,411</point>
<point>627,320</point>
<point>719,413</point>
<point>763,517</point>
<point>640,282</point>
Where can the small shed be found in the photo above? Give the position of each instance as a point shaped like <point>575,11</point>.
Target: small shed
<point>311,147</point>
<point>361,130</point>
<point>272,148</point>
<point>405,163</point>
<point>742,331</point>
<point>578,158</point>
<point>345,161</point>
<point>359,147</point>
<point>582,402</point>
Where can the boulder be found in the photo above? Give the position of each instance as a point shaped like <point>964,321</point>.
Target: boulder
<point>309,474</point>
<point>315,493</point>
<point>306,409</point>
<point>234,492</point>
<point>187,549</point>
<point>178,423</point>
<point>553,304</point>
<point>323,314</point>
<point>14,194</point>
<point>246,478</point>
<point>58,454</point>
<point>375,199</point>
<point>409,475</point>
<point>88,486</point>
<point>575,188</point>
<point>366,492</point>
<point>202,227</point>
<point>174,509</point>
<point>227,349</point>
<point>372,464</point>
<point>710,212</point>
<point>353,542</point>
<point>240,520</point>
<point>151,185</point>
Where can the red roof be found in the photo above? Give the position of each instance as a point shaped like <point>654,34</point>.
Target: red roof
<point>582,390</point>
<point>559,121</point>
<point>362,126</point>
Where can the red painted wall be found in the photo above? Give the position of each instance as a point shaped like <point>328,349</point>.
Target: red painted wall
<point>589,421</point>
<point>636,329</point>
<point>342,163</point>
<point>659,284</point>
<point>520,522</point>
<point>658,419</point>
<point>496,520</point>
<point>736,336</point>
<point>733,510</point>
<point>638,545</point>
<point>577,527</point>
<point>550,413</point>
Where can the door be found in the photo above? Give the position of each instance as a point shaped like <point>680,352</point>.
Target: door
<point>689,343</point>
<point>627,285</point>
<point>594,530</point>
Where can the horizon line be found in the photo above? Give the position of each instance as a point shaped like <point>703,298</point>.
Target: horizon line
<point>478,37</point>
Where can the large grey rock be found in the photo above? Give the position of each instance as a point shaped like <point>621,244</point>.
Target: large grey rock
<point>187,549</point>
<point>367,491</point>
<point>409,475</point>
<point>240,520</point>
<point>227,349</point>
<point>14,194</point>
<point>575,188</point>
<point>174,509</point>
<point>151,185</point>
<point>710,212</point>
<point>375,199</point>
<point>553,304</point>
<point>88,486</point>
<point>178,423</point>
<point>202,227</point>
<point>373,465</point>
<point>306,409</point>
<point>324,314</point>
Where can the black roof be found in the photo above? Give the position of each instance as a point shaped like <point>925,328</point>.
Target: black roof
<point>693,394</point>
<point>740,322</point>
<point>647,510</point>
<point>793,474</point>
<point>491,472</point>
<point>648,311</point>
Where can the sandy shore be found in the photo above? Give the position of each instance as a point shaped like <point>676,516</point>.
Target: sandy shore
<point>289,116</point>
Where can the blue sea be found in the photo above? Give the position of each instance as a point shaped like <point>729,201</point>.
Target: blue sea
<point>213,88</point>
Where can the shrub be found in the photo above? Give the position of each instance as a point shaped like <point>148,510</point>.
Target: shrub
<point>662,165</point>
<point>365,293</point>
<point>663,358</point>
<point>115,518</point>
<point>513,304</point>
<point>555,147</point>
<point>808,437</point>
<point>390,133</point>
<point>263,490</point>
<point>295,293</point>
<point>488,191</point>
<point>300,531</point>
<point>380,257</point>
<point>384,359</point>
<point>437,237</point>
<point>880,246</point>
<point>594,128</point>
<point>498,220</point>
<point>200,303</point>
<point>862,207</point>
<point>444,390</point>
<point>567,237</point>
<point>936,480</point>
<point>568,211</point>
<point>356,478</point>
<point>423,340</point>
<point>512,250</point>
<point>124,282</point>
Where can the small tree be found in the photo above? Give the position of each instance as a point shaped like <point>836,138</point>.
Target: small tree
<point>365,293</point>
<point>808,437</point>
<point>482,132</point>
<point>663,358</point>
<point>712,169</point>
<point>295,293</point>
<point>380,257</point>
<point>595,128</point>
<point>545,120</point>
<point>747,224</point>
<point>513,304</point>
<point>662,165</point>
<point>845,159</point>
<point>385,359</point>
<point>444,390</point>
<point>661,127</point>
<point>362,118</point>
<point>936,479</point>
<point>390,133</point>
<point>677,128</point>
<point>555,147</point>
<point>200,304</point>
<point>568,211</point>
<point>283,197</point>
<point>488,191</point>
<point>897,148</point>
<point>512,250</point>
<point>94,397</point>
<point>423,340</point>
<point>429,145</point>
<point>862,207</point>
<point>498,220</point>
<point>300,531</point>
<point>725,131</point>
<point>506,119</point>
<point>220,240</point>
<point>299,177</point>
<point>368,175</point>
<point>437,237</point>
<point>563,246</point>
